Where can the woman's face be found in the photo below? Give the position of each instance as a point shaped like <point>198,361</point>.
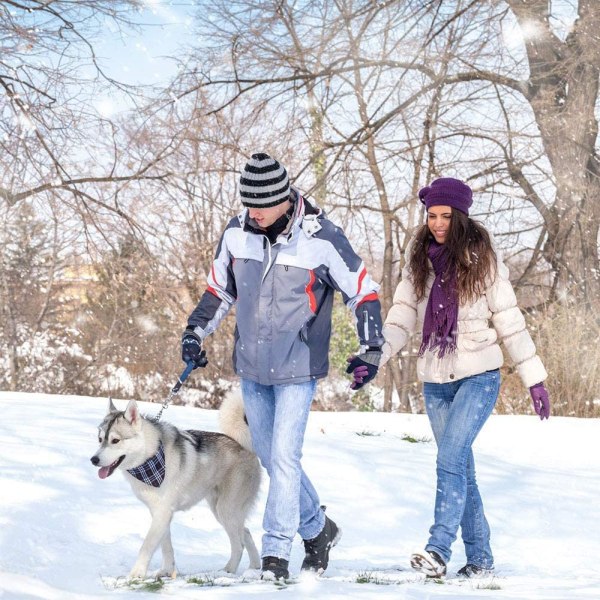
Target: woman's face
<point>438,221</point>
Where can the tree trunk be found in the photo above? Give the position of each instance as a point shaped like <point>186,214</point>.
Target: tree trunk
<point>10,329</point>
<point>370,152</point>
<point>563,91</point>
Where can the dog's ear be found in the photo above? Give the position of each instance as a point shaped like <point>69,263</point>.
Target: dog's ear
<point>111,406</point>
<point>132,414</point>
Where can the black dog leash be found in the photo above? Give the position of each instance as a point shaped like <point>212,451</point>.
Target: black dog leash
<point>174,391</point>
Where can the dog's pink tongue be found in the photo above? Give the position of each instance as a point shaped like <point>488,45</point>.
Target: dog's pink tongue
<point>103,472</point>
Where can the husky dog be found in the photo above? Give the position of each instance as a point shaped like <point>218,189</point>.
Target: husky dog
<point>169,470</point>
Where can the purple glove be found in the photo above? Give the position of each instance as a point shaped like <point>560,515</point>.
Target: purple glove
<point>363,367</point>
<point>541,401</point>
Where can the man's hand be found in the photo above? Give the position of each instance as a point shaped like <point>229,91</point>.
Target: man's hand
<point>191,349</point>
<point>363,367</point>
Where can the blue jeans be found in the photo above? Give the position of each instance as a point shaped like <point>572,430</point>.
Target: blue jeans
<point>457,411</point>
<point>277,417</point>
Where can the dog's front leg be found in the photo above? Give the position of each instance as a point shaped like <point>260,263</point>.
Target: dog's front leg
<point>168,557</point>
<point>161,521</point>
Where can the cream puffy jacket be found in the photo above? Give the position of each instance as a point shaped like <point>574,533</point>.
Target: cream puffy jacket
<point>477,342</point>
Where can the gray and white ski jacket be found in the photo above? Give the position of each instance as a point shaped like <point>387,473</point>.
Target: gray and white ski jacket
<point>284,295</point>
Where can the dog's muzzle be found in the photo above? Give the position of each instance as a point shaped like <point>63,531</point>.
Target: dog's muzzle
<point>105,472</point>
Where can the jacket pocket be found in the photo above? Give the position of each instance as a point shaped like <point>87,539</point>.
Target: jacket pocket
<point>477,340</point>
<point>304,333</point>
<point>293,304</point>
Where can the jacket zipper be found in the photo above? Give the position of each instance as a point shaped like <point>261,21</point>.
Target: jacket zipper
<point>268,244</point>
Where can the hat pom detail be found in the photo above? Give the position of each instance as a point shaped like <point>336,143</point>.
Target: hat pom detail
<point>423,193</point>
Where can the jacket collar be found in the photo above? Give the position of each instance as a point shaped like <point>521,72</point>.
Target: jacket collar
<point>305,217</point>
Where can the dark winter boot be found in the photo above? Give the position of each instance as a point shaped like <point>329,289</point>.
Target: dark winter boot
<point>274,568</point>
<point>428,562</point>
<point>471,571</point>
<point>317,549</point>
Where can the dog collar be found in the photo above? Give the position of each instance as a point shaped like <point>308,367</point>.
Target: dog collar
<point>151,472</point>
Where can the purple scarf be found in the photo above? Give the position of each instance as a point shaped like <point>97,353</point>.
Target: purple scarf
<point>441,314</point>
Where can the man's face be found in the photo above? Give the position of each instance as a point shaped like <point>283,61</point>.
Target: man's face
<point>267,216</point>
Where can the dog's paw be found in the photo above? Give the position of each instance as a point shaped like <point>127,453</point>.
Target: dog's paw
<point>229,568</point>
<point>251,574</point>
<point>168,571</point>
<point>137,572</point>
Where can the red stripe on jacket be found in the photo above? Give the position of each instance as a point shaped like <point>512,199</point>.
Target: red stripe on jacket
<point>312,301</point>
<point>369,298</point>
<point>362,275</point>
<point>209,287</point>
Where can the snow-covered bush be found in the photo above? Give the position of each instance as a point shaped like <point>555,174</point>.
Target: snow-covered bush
<point>43,361</point>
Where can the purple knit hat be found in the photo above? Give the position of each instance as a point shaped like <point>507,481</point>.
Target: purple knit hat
<point>447,191</point>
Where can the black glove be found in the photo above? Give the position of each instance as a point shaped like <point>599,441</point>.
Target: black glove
<point>191,349</point>
<point>364,367</point>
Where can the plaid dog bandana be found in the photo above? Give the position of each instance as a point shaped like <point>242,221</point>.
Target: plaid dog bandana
<point>152,472</point>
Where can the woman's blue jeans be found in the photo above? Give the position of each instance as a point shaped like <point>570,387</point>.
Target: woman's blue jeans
<point>457,412</point>
<point>277,417</point>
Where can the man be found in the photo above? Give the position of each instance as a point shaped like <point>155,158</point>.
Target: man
<point>280,261</point>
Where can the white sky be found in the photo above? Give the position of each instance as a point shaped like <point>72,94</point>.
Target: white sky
<point>142,57</point>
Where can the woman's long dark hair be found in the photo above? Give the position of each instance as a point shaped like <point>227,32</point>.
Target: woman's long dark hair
<point>470,253</point>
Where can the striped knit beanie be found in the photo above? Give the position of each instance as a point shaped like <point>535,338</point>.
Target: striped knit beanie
<point>264,182</point>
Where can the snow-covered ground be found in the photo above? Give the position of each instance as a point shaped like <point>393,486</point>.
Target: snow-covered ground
<point>66,534</point>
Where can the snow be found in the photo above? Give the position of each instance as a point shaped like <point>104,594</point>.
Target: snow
<point>66,534</point>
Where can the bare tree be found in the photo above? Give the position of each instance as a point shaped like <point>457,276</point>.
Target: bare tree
<point>364,101</point>
<point>32,258</point>
<point>562,90</point>
<point>50,131</point>
<point>559,87</point>
<point>360,75</point>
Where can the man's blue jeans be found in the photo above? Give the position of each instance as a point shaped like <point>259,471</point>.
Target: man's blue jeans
<point>277,417</point>
<point>457,411</point>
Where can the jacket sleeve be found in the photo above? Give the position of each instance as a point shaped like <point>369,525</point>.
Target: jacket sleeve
<point>220,294</point>
<point>512,330</point>
<point>349,275</point>
<point>401,320</point>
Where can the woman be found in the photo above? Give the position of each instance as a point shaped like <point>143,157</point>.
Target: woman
<point>453,285</point>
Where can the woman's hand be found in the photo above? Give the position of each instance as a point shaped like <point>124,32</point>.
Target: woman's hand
<point>541,400</point>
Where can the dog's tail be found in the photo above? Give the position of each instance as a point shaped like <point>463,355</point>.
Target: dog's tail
<point>232,419</point>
